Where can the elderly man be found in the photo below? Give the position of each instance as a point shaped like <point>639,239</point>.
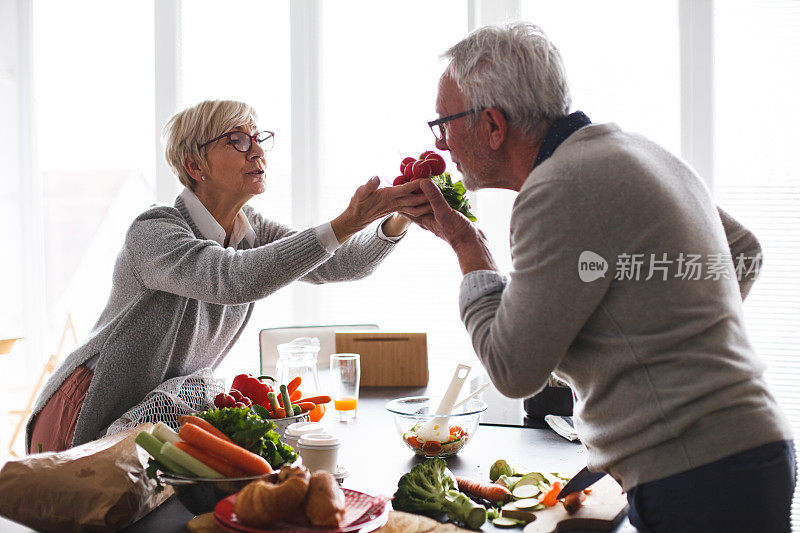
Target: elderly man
<point>607,233</point>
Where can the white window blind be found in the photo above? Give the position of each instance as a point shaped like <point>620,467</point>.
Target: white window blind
<point>757,52</point>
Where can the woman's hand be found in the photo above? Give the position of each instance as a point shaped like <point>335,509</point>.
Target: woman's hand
<point>369,203</point>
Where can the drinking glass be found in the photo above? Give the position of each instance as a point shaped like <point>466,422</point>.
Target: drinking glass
<point>345,376</point>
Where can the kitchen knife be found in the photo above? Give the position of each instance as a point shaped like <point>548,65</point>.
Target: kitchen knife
<point>583,479</point>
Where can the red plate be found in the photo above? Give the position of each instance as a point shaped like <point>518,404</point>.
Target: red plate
<point>362,513</point>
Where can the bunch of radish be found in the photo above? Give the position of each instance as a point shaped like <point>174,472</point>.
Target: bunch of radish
<point>429,164</point>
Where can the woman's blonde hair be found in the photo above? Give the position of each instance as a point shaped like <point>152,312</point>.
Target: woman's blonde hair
<point>185,131</point>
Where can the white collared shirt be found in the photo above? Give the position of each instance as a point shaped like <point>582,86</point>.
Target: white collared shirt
<point>211,229</point>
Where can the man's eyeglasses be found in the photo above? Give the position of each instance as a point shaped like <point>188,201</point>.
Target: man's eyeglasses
<point>243,142</point>
<point>437,126</point>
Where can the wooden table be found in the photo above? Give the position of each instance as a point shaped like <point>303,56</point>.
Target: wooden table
<point>375,457</point>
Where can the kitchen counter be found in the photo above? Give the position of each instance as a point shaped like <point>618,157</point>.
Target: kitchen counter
<point>375,458</point>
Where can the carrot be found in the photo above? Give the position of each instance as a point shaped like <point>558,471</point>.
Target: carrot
<point>324,398</point>
<point>307,406</point>
<point>211,461</point>
<point>199,422</point>
<point>280,412</point>
<point>240,458</point>
<point>487,491</point>
<point>295,395</point>
<point>292,385</point>
<point>551,498</point>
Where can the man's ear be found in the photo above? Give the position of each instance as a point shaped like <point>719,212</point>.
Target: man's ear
<point>193,168</point>
<point>496,125</point>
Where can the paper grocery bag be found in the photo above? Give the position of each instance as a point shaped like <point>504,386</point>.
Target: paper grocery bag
<point>98,486</point>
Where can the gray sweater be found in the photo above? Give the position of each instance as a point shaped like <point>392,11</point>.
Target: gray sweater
<point>663,372</point>
<point>179,302</point>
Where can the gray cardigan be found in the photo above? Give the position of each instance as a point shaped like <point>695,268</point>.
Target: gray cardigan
<point>179,302</point>
<point>663,371</point>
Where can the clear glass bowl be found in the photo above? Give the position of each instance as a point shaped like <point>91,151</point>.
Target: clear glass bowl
<point>433,440</point>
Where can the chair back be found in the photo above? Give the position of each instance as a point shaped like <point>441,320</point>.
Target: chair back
<point>270,338</point>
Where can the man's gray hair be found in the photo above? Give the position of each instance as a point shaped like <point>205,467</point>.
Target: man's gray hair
<point>514,68</point>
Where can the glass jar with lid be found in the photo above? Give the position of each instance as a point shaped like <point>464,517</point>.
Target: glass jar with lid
<point>299,358</point>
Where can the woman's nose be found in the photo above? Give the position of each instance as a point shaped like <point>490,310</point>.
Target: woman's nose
<point>255,151</point>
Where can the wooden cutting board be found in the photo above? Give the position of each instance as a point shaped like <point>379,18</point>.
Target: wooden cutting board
<point>388,359</point>
<point>602,510</point>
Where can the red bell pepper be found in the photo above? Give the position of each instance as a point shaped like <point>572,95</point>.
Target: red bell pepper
<point>253,388</point>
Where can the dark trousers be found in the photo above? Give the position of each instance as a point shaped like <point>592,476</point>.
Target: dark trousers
<point>750,491</point>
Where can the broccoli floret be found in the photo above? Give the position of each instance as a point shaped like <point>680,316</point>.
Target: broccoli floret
<point>428,490</point>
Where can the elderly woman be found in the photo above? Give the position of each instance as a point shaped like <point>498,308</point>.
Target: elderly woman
<point>187,277</point>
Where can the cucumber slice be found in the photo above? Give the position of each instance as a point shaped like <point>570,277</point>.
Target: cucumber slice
<point>538,476</point>
<point>529,504</point>
<point>522,492</point>
<point>508,482</point>
<point>507,522</point>
<point>152,445</point>
<point>518,514</point>
<point>188,462</point>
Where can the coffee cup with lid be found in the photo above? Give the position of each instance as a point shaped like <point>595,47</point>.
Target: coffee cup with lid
<point>319,451</point>
<point>293,433</point>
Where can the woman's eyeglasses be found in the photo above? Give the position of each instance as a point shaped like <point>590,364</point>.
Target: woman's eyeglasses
<point>243,142</point>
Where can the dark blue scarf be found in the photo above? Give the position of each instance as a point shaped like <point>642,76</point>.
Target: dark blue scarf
<point>558,132</point>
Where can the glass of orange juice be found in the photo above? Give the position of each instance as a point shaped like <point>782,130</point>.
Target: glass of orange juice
<point>345,376</point>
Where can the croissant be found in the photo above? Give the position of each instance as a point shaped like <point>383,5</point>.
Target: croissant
<point>288,471</point>
<point>325,504</point>
<point>261,504</point>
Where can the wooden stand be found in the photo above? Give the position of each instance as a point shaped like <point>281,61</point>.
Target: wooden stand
<point>49,366</point>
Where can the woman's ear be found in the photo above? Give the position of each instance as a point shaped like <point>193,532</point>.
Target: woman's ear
<point>497,126</point>
<point>193,168</point>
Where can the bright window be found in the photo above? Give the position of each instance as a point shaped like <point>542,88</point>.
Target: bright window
<point>94,145</point>
<point>380,87</point>
<point>757,83</point>
<point>622,63</point>
<point>246,57</point>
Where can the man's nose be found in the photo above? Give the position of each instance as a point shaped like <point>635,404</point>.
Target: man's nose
<point>441,144</point>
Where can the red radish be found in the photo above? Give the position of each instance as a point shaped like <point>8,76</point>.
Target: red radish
<point>408,171</point>
<point>421,169</point>
<point>236,395</point>
<point>425,154</point>
<point>399,180</point>
<point>404,162</point>
<point>437,164</point>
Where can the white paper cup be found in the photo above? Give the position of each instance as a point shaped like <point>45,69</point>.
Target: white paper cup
<point>319,452</point>
<point>293,433</point>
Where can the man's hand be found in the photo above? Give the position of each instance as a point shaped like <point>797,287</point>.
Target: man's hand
<point>466,239</point>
